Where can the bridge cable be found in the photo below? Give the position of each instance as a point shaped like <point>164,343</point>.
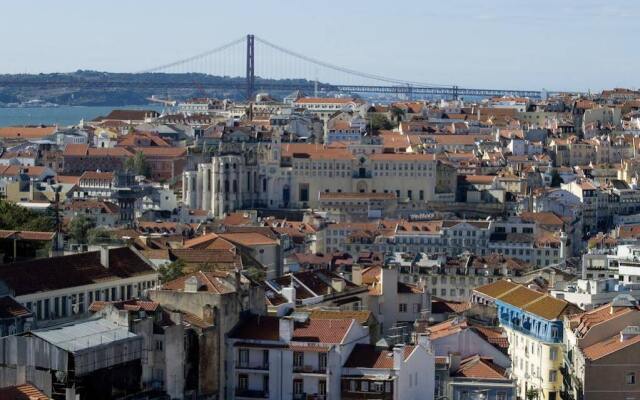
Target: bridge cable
<point>192,58</point>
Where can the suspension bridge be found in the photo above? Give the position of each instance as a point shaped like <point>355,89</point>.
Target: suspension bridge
<point>253,64</point>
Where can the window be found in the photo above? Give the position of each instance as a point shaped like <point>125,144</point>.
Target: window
<point>553,354</point>
<point>159,345</point>
<point>364,386</point>
<point>298,359</point>
<point>243,382</point>
<point>353,385</point>
<point>297,386</point>
<point>403,307</point>
<point>265,357</point>
<point>416,307</point>
<point>630,378</point>
<point>243,357</point>
<point>553,375</point>
<point>322,361</point>
<point>501,396</point>
<point>265,383</point>
<point>322,387</point>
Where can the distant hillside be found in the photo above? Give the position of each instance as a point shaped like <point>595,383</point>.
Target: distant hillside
<point>25,87</point>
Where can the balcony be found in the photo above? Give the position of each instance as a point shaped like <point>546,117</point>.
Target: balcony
<point>251,394</point>
<point>253,366</point>
<point>307,396</point>
<point>309,369</point>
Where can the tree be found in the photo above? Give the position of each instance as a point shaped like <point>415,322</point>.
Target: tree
<point>138,164</point>
<point>79,228</point>
<point>397,113</point>
<point>532,394</point>
<point>378,121</point>
<point>556,179</point>
<point>171,271</point>
<point>15,217</point>
<point>99,235</point>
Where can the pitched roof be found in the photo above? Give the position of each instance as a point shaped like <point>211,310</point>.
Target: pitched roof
<point>26,132</point>
<point>331,331</point>
<point>248,238</point>
<point>532,301</point>
<point>22,392</point>
<point>208,281</point>
<point>10,308</point>
<point>480,368</point>
<point>46,274</point>
<point>362,317</point>
<point>27,235</point>
<point>583,322</point>
<point>369,356</point>
<point>609,346</point>
<point>129,305</point>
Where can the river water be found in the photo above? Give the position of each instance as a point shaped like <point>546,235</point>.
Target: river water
<point>63,115</point>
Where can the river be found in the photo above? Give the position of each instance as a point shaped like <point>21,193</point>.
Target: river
<point>62,115</point>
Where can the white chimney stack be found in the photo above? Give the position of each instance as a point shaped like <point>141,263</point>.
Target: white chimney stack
<point>286,329</point>
<point>104,256</point>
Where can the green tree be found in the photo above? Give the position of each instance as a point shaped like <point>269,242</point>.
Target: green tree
<point>138,164</point>
<point>379,121</point>
<point>397,113</point>
<point>99,235</point>
<point>556,180</point>
<point>171,271</point>
<point>15,217</point>
<point>532,394</point>
<point>79,228</point>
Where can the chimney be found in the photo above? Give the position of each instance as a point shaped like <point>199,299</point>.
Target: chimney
<point>238,279</point>
<point>289,293</point>
<point>207,314</point>
<point>356,274</point>
<point>423,341</point>
<point>191,284</point>
<point>104,256</point>
<point>286,329</point>
<point>629,332</point>
<point>454,361</point>
<point>398,356</point>
<point>338,284</point>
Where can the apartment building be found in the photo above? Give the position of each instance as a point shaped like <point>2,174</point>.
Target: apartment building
<point>533,322</point>
<point>61,288</point>
<point>603,349</point>
<point>289,357</point>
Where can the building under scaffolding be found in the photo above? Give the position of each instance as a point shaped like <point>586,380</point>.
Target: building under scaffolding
<point>94,359</point>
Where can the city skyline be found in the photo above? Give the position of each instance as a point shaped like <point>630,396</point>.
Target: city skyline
<point>494,44</point>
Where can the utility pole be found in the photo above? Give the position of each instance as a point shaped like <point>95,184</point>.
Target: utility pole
<point>251,78</point>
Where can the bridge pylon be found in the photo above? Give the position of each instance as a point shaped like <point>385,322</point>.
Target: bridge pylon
<point>250,77</point>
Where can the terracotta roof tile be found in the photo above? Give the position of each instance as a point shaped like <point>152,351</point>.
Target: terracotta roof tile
<point>609,346</point>
<point>22,392</point>
<point>369,356</point>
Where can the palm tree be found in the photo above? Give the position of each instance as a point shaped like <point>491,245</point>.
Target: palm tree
<point>397,113</point>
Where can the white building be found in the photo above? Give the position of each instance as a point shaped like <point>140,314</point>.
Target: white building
<point>60,288</point>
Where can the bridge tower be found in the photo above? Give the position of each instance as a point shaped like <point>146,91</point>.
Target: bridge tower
<point>251,78</point>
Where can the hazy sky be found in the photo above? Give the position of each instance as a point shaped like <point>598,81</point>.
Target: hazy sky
<point>553,44</point>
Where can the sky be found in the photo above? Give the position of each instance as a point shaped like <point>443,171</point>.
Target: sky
<point>512,44</point>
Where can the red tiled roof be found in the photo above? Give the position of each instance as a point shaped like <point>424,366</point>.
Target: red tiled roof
<point>369,356</point>
<point>608,346</point>
<point>22,392</point>
<point>208,281</point>
<point>10,308</point>
<point>480,368</point>
<point>27,235</point>
<point>129,305</point>
<point>22,132</point>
